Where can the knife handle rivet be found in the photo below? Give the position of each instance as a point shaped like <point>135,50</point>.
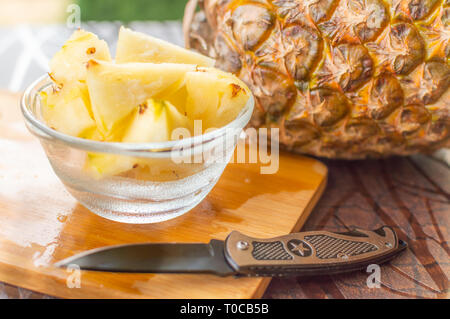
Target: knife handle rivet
<point>242,245</point>
<point>342,255</point>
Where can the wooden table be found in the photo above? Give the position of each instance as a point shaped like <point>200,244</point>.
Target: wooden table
<point>411,194</point>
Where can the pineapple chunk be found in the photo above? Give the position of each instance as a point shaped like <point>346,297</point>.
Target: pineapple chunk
<point>214,97</point>
<point>93,134</point>
<point>115,135</point>
<point>139,47</point>
<point>150,124</point>
<point>178,120</point>
<point>234,98</point>
<point>178,98</point>
<point>136,102</point>
<point>152,121</point>
<point>69,64</point>
<point>202,95</point>
<point>116,89</point>
<point>100,165</point>
<point>65,111</point>
<point>68,109</point>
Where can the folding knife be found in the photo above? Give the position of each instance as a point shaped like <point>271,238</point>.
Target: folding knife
<point>296,254</point>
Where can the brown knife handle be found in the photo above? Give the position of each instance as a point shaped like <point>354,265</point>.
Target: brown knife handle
<point>311,253</point>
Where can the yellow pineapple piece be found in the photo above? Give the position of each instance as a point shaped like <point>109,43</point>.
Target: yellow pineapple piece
<point>67,108</point>
<point>116,89</point>
<point>150,124</point>
<point>69,64</point>
<point>178,120</point>
<point>214,97</point>
<point>234,98</point>
<point>100,165</point>
<point>152,121</point>
<point>143,98</point>
<point>139,47</point>
<point>178,98</point>
<point>202,96</point>
<point>65,111</point>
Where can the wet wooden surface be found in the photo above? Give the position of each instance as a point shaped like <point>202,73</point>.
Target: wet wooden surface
<point>40,223</point>
<point>411,194</point>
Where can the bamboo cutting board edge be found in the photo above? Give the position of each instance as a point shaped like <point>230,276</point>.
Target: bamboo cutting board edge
<point>297,227</point>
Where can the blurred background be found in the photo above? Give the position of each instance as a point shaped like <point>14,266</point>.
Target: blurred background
<point>31,31</point>
<point>53,11</point>
<point>132,10</point>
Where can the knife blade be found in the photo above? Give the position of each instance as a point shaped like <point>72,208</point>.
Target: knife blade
<point>296,254</point>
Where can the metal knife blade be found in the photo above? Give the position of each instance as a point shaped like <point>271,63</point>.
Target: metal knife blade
<point>155,258</point>
<point>297,254</point>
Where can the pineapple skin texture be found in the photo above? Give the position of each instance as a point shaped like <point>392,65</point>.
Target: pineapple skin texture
<point>347,79</point>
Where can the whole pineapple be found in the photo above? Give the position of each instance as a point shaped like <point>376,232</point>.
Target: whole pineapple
<point>340,78</point>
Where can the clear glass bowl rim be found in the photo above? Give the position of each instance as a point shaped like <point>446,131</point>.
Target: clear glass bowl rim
<point>134,149</point>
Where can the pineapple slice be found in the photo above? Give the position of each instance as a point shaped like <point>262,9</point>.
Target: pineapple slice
<point>214,97</point>
<point>69,64</point>
<point>152,121</point>
<point>115,135</point>
<point>100,165</point>
<point>68,109</point>
<point>65,111</point>
<point>178,98</point>
<point>150,124</point>
<point>116,89</point>
<point>234,98</point>
<point>139,47</point>
<point>202,96</point>
<point>178,120</point>
<point>136,102</point>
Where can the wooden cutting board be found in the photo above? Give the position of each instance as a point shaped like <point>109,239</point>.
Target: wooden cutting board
<point>40,223</point>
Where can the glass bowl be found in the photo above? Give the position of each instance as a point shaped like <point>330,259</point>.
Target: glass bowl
<point>178,176</point>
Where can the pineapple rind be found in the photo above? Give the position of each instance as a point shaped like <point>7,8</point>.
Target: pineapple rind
<point>386,61</point>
